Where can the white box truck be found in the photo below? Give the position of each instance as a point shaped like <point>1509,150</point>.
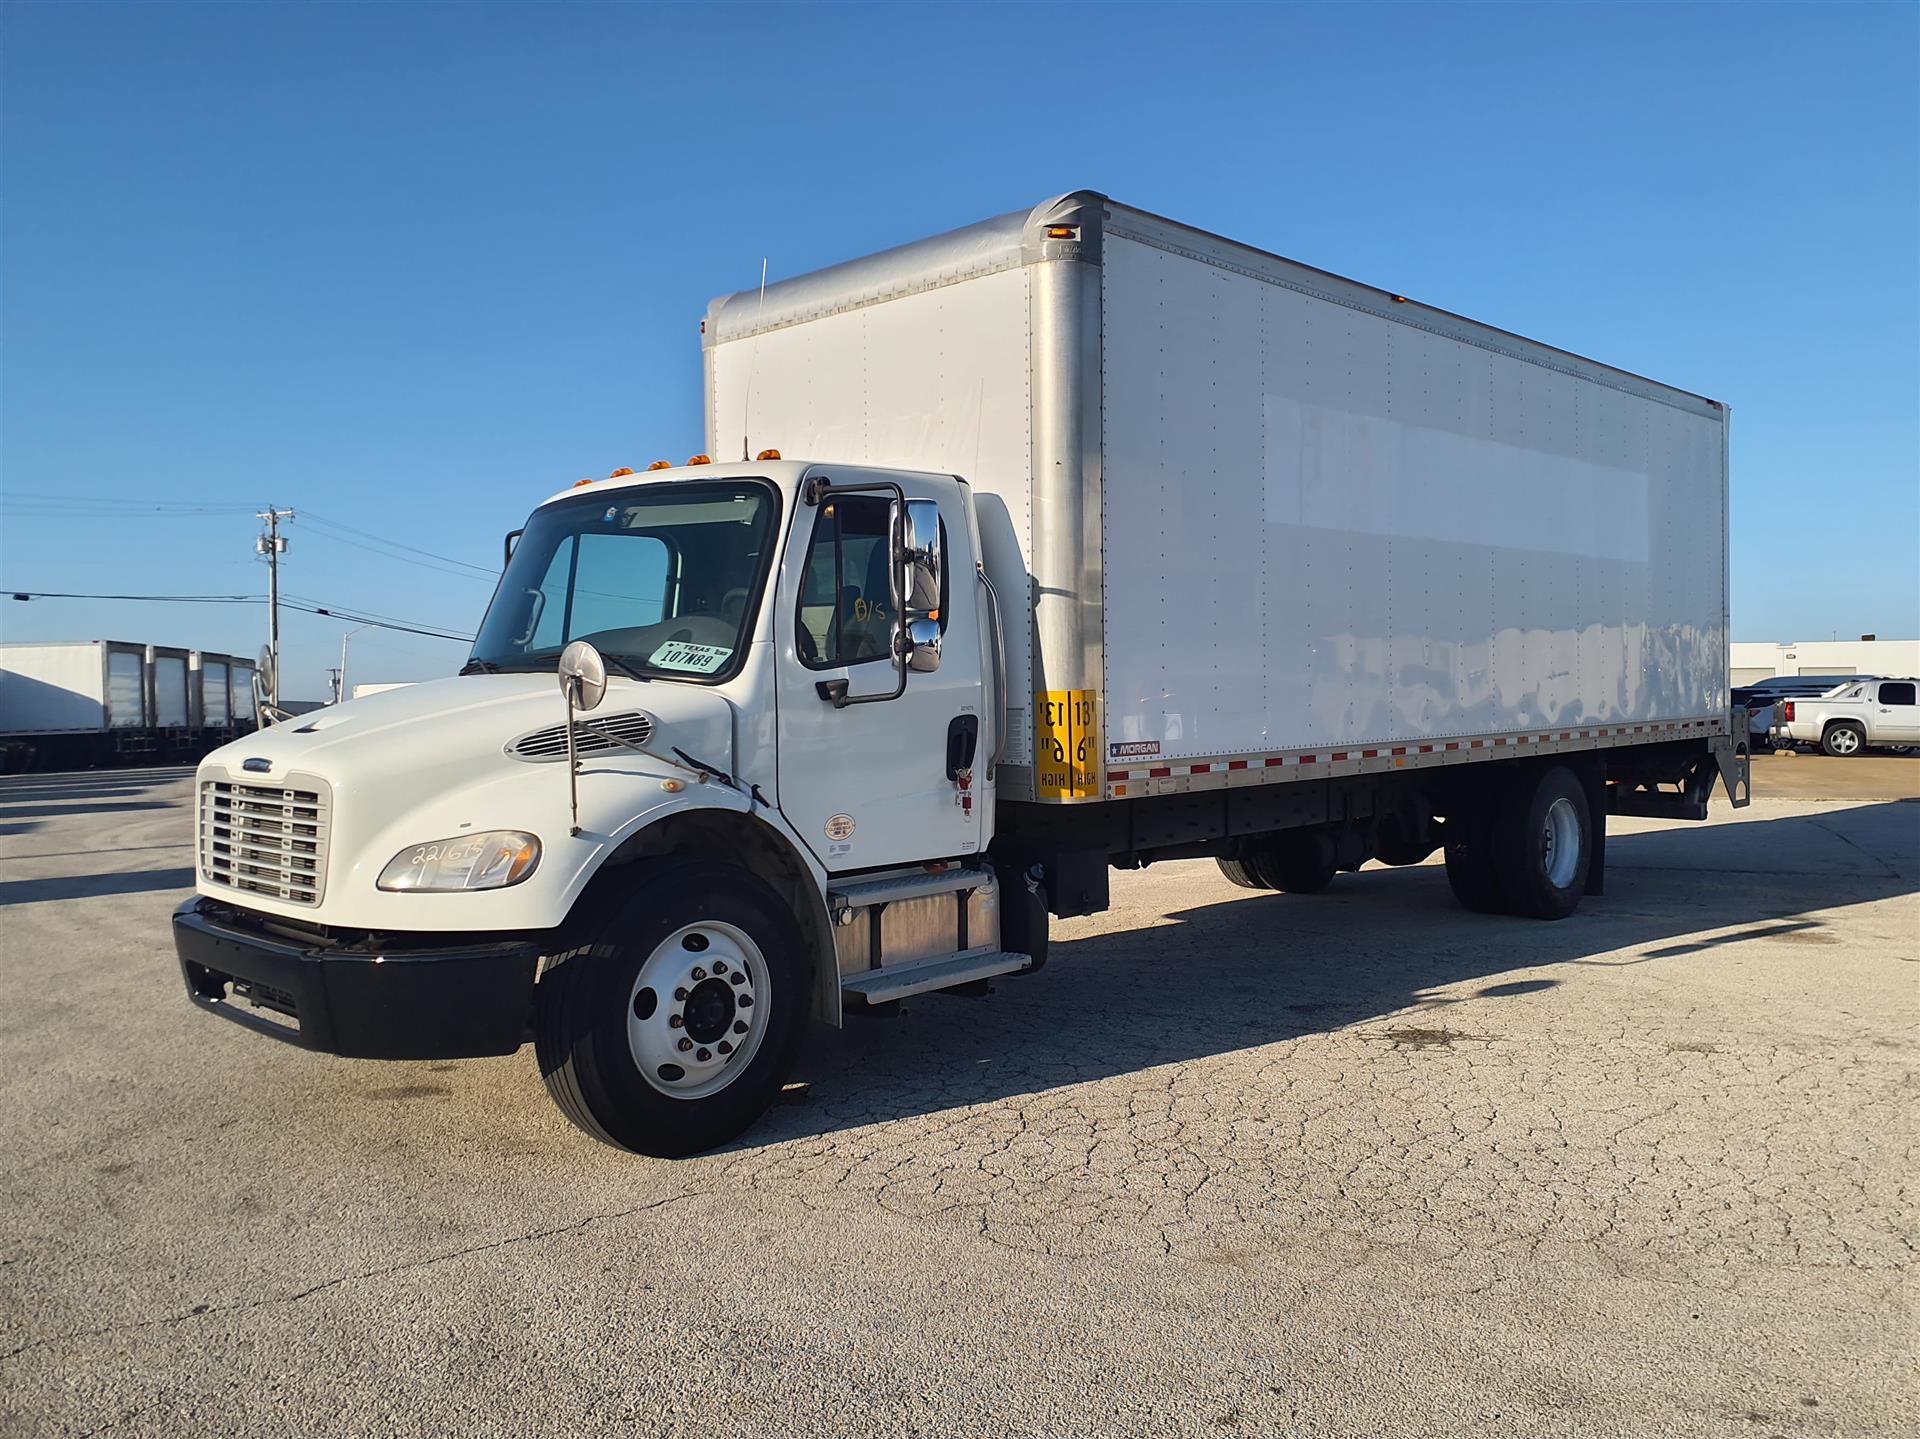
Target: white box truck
<point>1101,541</point>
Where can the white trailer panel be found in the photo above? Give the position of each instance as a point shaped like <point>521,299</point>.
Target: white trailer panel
<point>1262,511</point>
<point>88,687</point>
<point>1328,527</point>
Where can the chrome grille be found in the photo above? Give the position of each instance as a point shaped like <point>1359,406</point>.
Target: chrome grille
<point>265,839</point>
<point>590,736</point>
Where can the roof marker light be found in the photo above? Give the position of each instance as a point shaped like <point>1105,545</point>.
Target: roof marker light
<point>659,465</point>
<point>768,455</point>
<point>700,460</point>
<point>578,483</point>
<point>623,470</point>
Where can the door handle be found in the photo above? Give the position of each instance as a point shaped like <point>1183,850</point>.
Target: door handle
<point>963,738</point>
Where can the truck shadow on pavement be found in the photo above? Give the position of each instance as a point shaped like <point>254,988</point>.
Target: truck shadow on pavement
<point>1243,970</point>
<point>92,886</point>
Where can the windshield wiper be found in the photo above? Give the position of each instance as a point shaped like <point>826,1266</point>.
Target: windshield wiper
<point>626,667</point>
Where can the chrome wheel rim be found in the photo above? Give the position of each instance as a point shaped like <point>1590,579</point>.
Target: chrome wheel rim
<point>1560,843</point>
<point>1845,741</point>
<point>698,1010</point>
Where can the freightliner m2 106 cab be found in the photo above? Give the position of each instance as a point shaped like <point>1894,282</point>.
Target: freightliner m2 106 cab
<point>1101,541</point>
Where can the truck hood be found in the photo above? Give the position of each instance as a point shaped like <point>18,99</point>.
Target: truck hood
<point>430,734</point>
<point>468,755</point>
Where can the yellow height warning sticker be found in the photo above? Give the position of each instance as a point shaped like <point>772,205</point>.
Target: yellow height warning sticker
<point>1066,746</point>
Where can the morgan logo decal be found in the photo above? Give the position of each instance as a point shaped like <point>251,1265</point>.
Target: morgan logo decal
<point>840,827</point>
<point>1135,749</point>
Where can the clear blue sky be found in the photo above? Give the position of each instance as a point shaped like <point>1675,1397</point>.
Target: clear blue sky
<point>412,268</point>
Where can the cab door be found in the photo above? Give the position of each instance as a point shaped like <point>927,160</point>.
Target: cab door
<point>873,773</point>
<point>1896,717</point>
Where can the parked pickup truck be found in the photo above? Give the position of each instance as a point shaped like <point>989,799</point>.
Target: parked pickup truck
<point>1880,714</point>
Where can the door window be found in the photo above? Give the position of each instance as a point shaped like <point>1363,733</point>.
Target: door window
<point>1897,694</point>
<point>846,599</point>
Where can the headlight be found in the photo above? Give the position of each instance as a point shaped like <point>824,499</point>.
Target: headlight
<point>469,861</point>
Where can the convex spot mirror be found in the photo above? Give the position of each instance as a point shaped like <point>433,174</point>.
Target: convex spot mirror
<point>922,575</point>
<point>583,675</point>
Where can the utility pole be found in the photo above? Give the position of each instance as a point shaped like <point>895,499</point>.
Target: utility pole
<point>273,545</point>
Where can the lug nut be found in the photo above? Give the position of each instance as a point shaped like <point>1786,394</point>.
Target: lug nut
<point>704,1055</point>
<point>738,977</point>
<point>719,966</point>
<point>699,973</point>
<point>680,994</point>
<point>746,1001</point>
<point>674,1021</point>
<point>739,1026</point>
<point>685,1045</point>
<point>724,1047</point>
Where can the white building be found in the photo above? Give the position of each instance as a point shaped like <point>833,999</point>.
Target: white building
<point>1751,660</point>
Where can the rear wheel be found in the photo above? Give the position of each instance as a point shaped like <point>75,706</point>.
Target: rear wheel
<point>1239,872</point>
<point>1843,740</point>
<point>1298,861</point>
<point>1543,843</point>
<point>671,1028</point>
<point>1468,840</point>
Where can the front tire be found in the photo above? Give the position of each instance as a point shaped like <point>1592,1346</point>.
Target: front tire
<point>671,1027</point>
<point>1843,741</point>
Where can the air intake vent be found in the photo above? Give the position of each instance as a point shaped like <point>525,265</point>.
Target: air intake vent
<point>265,839</point>
<point>590,736</point>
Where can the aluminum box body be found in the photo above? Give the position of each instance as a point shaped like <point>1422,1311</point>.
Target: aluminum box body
<point>1267,522</point>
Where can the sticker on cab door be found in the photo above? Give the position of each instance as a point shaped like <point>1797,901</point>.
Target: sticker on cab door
<point>679,655</point>
<point>840,827</point>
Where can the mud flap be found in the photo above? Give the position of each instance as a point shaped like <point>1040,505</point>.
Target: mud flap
<point>1732,757</point>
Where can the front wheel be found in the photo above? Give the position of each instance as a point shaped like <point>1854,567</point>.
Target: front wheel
<point>670,1029</point>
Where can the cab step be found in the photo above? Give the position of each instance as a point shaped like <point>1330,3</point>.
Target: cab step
<point>920,885</point>
<point>879,986</point>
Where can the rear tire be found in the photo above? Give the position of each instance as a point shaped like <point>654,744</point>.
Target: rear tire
<point>1239,872</point>
<point>1843,740</point>
<point>1543,843</point>
<point>1299,861</point>
<point>707,943</point>
<point>1471,873</point>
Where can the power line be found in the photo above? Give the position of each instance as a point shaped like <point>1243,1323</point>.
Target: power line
<point>377,624</point>
<point>312,608</point>
<point>154,599</point>
<point>326,523</point>
<point>373,614</point>
<point>488,576</point>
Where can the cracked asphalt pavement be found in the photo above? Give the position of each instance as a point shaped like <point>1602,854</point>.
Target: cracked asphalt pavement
<point>1361,1164</point>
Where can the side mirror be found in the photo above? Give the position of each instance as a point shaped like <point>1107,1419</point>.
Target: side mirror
<point>583,675</point>
<point>922,579</point>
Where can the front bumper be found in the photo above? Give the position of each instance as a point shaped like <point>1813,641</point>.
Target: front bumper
<point>424,1003</point>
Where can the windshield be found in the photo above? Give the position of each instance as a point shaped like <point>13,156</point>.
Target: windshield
<point>661,579</point>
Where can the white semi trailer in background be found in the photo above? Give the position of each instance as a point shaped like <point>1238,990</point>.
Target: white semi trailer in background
<point>107,702</point>
<point>1103,541</point>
